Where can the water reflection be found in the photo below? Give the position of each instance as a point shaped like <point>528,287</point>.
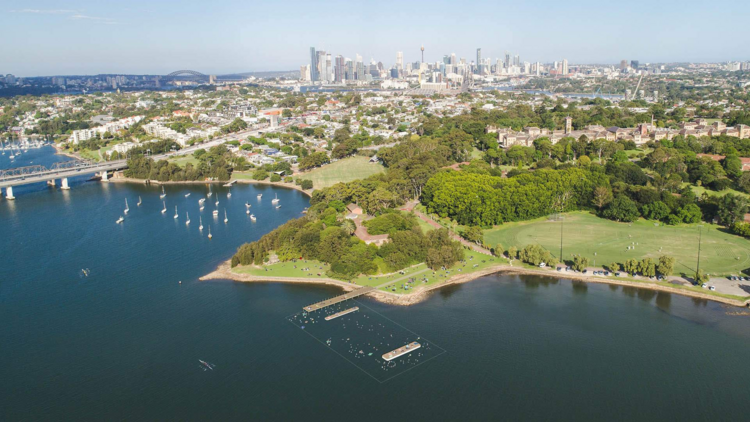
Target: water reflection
<point>580,287</point>
<point>646,294</point>
<point>663,300</point>
<point>534,282</point>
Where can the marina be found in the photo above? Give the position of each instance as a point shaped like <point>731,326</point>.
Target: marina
<point>401,351</point>
<point>342,313</point>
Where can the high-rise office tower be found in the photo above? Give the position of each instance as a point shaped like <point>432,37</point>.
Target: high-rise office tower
<point>329,68</point>
<point>400,60</point>
<point>339,69</point>
<point>349,75</point>
<point>517,60</point>
<point>623,64</point>
<point>314,75</point>
<point>507,60</point>
<point>359,68</point>
<point>634,64</point>
<point>479,61</point>
<point>453,59</point>
<point>565,66</point>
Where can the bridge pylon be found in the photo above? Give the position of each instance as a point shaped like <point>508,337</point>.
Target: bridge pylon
<point>64,183</point>
<point>9,193</point>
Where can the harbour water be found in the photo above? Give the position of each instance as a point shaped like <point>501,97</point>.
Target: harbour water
<point>123,340</point>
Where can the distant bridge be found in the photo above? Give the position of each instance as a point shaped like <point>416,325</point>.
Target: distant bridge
<point>186,72</point>
<point>62,170</point>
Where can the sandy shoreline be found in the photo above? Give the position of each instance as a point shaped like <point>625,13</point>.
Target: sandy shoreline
<point>420,294</point>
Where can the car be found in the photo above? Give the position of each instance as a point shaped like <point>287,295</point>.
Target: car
<point>585,271</point>
<point>606,273</point>
<point>712,288</point>
<point>704,285</point>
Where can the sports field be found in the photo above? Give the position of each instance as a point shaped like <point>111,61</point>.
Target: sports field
<point>588,235</point>
<point>345,170</point>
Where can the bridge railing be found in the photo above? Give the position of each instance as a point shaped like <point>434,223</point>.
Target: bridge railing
<point>59,167</point>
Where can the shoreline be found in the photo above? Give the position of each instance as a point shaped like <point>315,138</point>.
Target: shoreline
<point>123,179</point>
<point>223,272</point>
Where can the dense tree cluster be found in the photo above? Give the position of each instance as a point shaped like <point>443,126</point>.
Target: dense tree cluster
<point>324,235</point>
<point>213,164</point>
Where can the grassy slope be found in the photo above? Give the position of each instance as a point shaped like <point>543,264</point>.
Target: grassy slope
<point>345,170</point>
<point>586,234</point>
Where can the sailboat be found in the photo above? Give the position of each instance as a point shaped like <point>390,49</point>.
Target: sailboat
<point>217,202</point>
<point>275,200</point>
<point>201,201</point>
<point>164,211</point>
<point>278,206</point>
<point>175,212</point>
<point>229,195</point>
<point>209,192</point>
<point>200,219</point>
<point>201,208</point>
<point>187,222</point>
<point>120,220</point>
<point>209,232</point>
<point>139,201</point>
<point>163,194</point>
<point>226,220</point>
<point>252,217</point>
<point>247,205</point>
<point>127,208</point>
<point>247,212</point>
<point>260,195</point>
<point>216,213</point>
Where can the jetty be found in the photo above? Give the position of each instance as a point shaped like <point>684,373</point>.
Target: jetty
<point>338,299</point>
<point>393,354</point>
<point>342,313</point>
<point>229,185</point>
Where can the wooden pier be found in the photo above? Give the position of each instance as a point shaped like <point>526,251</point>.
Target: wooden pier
<point>337,299</point>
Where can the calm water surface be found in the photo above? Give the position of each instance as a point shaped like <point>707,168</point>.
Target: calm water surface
<point>123,343</point>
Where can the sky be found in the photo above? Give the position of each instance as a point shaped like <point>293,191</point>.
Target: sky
<point>66,37</point>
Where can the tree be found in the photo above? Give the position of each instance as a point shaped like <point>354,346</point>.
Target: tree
<point>656,211</point>
<point>286,113</point>
<point>306,184</point>
<point>535,254</point>
<point>275,177</point>
<point>512,252</point>
<point>631,266</point>
<point>732,208</point>
<point>473,234</point>
<point>580,263</point>
<point>260,174</point>
<point>665,266</point>
<point>602,196</point>
<point>690,214</point>
<point>614,267</point>
<point>744,181</point>
<point>701,277</point>
<point>498,250</point>
<point>647,267</point>
<point>622,209</point>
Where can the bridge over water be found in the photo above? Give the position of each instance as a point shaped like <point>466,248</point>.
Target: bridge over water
<point>62,170</point>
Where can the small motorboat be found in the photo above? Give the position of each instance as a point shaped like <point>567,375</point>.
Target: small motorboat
<point>247,205</point>
<point>187,194</point>
<point>229,195</point>
<point>216,213</point>
<point>252,217</point>
<point>260,195</point>
<point>120,220</point>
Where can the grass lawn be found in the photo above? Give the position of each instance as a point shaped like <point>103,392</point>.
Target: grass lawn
<point>633,152</point>
<point>473,261</point>
<point>286,269</point>
<point>476,154</point>
<point>700,190</point>
<point>345,170</point>
<point>587,234</point>
<point>183,160</point>
<point>90,155</point>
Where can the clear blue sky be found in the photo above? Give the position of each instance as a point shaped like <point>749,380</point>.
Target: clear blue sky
<point>214,37</point>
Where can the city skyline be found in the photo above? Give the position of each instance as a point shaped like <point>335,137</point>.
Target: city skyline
<point>86,37</point>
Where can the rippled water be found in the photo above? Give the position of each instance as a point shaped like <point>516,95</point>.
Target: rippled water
<point>124,341</point>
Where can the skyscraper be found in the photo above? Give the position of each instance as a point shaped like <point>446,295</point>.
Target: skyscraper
<point>339,69</point>
<point>565,66</point>
<point>359,68</point>
<point>507,60</point>
<point>314,76</point>
<point>400,61</point>
<point>479,61</point>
